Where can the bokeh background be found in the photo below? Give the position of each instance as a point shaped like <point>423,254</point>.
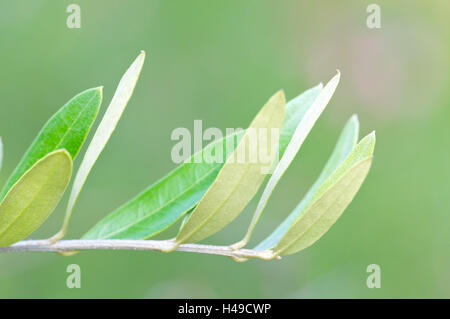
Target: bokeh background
<point>219,61</point>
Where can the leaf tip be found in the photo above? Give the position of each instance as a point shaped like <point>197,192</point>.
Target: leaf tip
<point>135,69</point>
<point>99,91</point>
<point>368,143</point>
<point>280,96</point>
<point>353,122</point>
<point>329,88</point>
<point>337,77</point>
<point>374,138</point>
<point>64,154</point>
<point>354,118</point>
<point>141,57</point>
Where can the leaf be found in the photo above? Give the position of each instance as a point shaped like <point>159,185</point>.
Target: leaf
<point>305,125</point>
<point>34,197</point>
<point>164,202</point>
<point>295,111</point>
<point>167,200</point>
<point>346,142</point>
<point>330,200</point>
<point>238,180</point>
<point>67,129</point>
<point>104,131</point>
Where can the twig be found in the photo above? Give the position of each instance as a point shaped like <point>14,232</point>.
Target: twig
<point>118,244</point>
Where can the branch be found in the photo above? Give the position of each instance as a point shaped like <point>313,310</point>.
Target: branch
<point>119,244</point>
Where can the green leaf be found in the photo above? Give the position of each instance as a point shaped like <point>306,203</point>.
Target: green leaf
<point>329,201</point>
<point>34,196</point>
<point>295,111</point>
<point>307,122</point>
<point>238,180</point>
<point>104,131</point>
<point>167,200</point>
<point>67,129</point>
<point>346,142</point>
<point>164,202</point>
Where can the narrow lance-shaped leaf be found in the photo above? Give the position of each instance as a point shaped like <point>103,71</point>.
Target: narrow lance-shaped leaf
<point>346,142</point>
<point>330,200</point>
<point>240,178</point>
<point>164,202</point>
<point>104,131</point>
<point>34,197</point>
<point>66,129</point>
<point>169,199</point>
<point>304,127</point>
<point>295,111</point>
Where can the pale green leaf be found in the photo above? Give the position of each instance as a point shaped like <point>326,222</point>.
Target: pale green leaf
<point>238,180</point>
<point>295,111</point>
<point>346,142</point>
<point>66,129</point>
<point>303,128</point>
<point>167,200</point>
<point>34,196</point>
<point>330,200</point>
<point>105,129</point>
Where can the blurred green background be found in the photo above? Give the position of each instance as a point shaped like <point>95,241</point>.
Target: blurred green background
<point>219,61</point>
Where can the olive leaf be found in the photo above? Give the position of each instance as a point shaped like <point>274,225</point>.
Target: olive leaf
<point>305,125</point>
<point>345,144</point>
<point>104,131</point>
<point>170,198</point>
<point>329,201</point>
<point>295,111</point>
<point>239,179</point>
<point>66,129</point>
<point>166,201</point>
<point>34,196</point>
